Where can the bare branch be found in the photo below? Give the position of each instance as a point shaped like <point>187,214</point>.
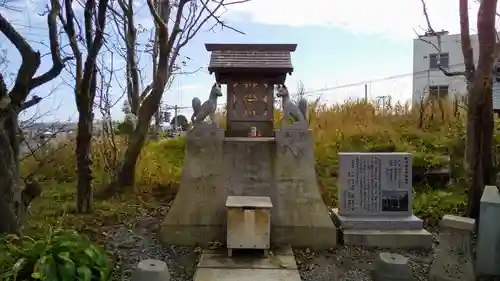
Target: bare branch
<point>432,33</point>
<point>34,101</point>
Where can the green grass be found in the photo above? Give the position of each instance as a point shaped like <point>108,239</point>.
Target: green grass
<point>439,142</point>
<point>56,208</point>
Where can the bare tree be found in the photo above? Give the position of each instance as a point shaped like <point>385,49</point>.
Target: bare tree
<point>15,194</point>
<point>479,136</point>
<point>177,22</point>
<point>108,148</point>
<point>86,72</point>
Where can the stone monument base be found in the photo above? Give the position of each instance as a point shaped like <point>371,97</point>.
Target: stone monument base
<point>387,232</point>
<point>379,222</point>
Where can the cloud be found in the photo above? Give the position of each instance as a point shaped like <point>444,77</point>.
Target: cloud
<point>391,18</point>
<point>190,87</point>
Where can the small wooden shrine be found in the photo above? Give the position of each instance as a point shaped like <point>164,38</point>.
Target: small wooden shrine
<point>250,72</point>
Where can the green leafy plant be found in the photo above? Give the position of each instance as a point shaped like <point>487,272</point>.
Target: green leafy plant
<point>58,256</point>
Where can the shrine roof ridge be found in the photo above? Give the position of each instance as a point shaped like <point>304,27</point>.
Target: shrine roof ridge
<point>250,47</point>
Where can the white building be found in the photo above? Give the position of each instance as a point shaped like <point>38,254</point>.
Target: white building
<point>427,78</point>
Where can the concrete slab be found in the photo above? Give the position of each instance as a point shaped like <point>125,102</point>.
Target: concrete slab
<point>280,250</point>
<point>279,265</point>
<point>391,239</point>
<point>221,274</point>
<point>222,261</point>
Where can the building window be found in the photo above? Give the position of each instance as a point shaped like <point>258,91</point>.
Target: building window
<point>443,58</point>
<point>439,92</point>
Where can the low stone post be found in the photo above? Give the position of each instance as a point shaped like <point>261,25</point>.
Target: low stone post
<point>488,240</point>
<point>453,259</point>
<point>391,267</point>
<point>151,270</point>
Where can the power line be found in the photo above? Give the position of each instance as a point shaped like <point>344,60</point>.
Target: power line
<point>349,85</point>
<point>371,81</point>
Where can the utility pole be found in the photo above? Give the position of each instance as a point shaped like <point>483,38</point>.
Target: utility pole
<point>176,109</point>
<point>385,102</point>
<point>366,93</point>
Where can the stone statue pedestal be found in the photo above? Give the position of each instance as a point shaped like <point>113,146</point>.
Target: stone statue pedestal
<point>195,215</point>
<point>300,217</point>
<point>281,168</point>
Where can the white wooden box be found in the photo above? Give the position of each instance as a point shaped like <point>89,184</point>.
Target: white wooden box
<point>248,222</point>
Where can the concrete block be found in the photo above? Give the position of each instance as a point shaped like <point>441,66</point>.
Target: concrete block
<point>151,270</point>
<point>392,239</point>
<point>453,255</point>
<point>459,223</point>
<point>488,241</point>
<point>391,267</point>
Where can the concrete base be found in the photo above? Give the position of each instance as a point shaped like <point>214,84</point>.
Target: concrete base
<point>383,223</point>
<point>216,266</point>
<point>392,239</point>
<point>281,168</point>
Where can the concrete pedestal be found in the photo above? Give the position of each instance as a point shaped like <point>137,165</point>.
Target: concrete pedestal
<point>281,168</point>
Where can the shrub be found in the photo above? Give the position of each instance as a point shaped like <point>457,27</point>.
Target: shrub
<point>57,256</point>
<point>435,140</point>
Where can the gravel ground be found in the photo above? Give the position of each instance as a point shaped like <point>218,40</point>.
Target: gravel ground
<point>129,246</point>
<point>134,241</point>
<point>353,263</point>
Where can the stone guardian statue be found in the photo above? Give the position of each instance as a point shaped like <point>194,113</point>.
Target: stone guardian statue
<point>297,112</point>
<point>208,108</point>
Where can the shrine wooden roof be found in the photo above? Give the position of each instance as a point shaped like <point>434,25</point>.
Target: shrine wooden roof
<point>267,58</point>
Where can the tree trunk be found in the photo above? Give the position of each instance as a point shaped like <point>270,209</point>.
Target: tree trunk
<point>84,162</point>
<point>126,175</point>
<point>85,100</point>
<point>487,141</point>
<point>474,163</point>
<point>15,194</point>
<point>9,192</point>
<point>480,112</point>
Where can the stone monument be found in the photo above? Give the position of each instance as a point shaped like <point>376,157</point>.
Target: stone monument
<point>488,241</point>
<point>375,201</point>
<point>453,258</point>
<point>250,158</point>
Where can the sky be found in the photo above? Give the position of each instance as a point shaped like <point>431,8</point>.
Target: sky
<point>342,46</point>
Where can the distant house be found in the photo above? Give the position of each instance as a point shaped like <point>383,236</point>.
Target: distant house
<point>429,80</point>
